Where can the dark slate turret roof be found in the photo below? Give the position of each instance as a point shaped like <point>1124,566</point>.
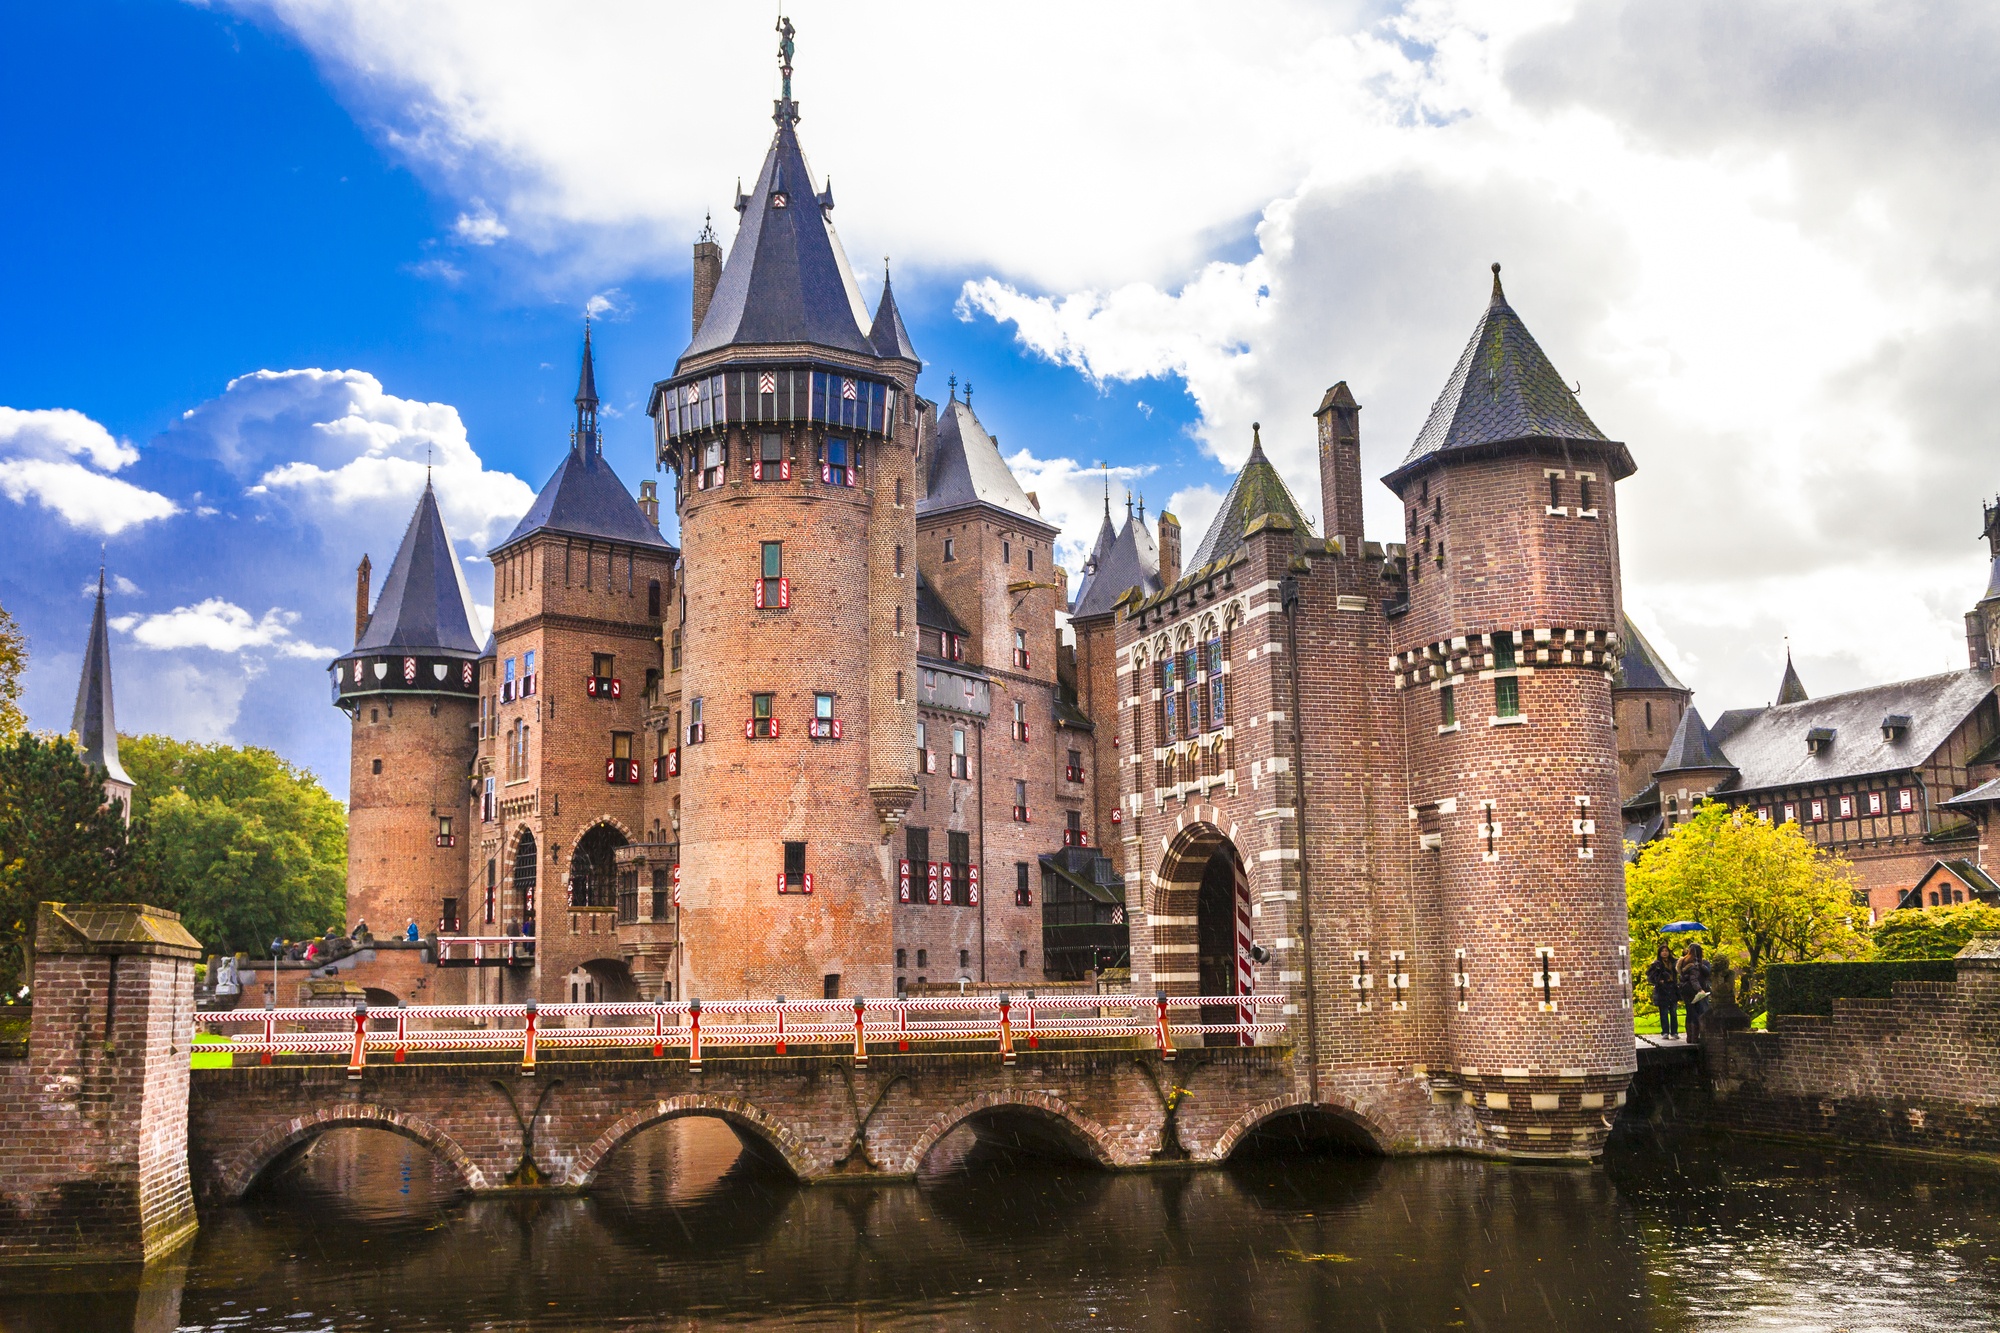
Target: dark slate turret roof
<point>1132,560</point>
<point>787,279</point>
<point>1640,666</point>
<point>1791,690</point>
<point>586,378</point>
<point>585,498</point>
<point>425,605</point>
<point>94,722</point>
<point>1258,492</point>
<point>1693,746</point>
<point>966,470</point>
<point>1504,389</point>
<point>931,610</point>
<point>888,336</point>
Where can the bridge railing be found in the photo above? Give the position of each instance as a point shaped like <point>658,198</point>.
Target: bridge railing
<point>692,1028</point>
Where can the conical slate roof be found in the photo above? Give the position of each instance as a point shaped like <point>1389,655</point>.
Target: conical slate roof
<point>966,470</point>
<point>1693,746</point>
<point>1791,690</point>
<point>93,721</point>
<point>585,498</point>
<point>1130,560</point>
<point>1257,492</point>
<point>1504,389</point>
<point>787,279</point>
<point>1640,667</point>
<point>888,336</point>
<point>425,605</point>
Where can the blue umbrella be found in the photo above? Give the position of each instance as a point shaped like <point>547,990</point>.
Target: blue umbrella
<point>1681,927</point>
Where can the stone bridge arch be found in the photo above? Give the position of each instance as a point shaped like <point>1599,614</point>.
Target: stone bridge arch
<point>234,1176</point>
<point>1097,1142</point>
<point>736,1112</point>
<point>1362,1128</point>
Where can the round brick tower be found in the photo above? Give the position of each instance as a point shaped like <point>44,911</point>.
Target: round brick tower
<point>410,689</point>
<point>790,424</point>
<point>1504,660</point>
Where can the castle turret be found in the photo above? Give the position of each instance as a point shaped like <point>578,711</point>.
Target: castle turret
<point>1504,659</point>
<point>410,688</point>
<point>789,424</point>
<point>94,721</point>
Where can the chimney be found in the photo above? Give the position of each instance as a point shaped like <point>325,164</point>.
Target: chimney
<point>707,273</point>
<point>1170,549</point>
<point>1339,418</point>
<point>649,502</point>
<point>361,616</point>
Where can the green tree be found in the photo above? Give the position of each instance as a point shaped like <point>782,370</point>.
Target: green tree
<point>1933,932</point>
<point>58,842</point>
<point>1766,894</point>
<point>243,844</point>
<point>13,661</point>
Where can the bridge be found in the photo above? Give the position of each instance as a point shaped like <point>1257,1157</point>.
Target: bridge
<point>539,1097</point>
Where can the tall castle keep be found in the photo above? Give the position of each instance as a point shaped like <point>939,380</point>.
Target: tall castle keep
<point>840,742</point>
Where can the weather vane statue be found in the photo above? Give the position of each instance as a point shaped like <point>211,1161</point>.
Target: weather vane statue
<point>786,107</point>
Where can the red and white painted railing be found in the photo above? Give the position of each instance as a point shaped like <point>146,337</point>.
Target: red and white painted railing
<point>485,950</point>
<point>696,1028</point>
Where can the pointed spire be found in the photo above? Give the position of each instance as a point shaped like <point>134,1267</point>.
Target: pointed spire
<point>425,605</point>
<point>1791,690</point>
<point>888,336</point>
<point>1693,746</point>
<point>1256,444</point>
<point>585,438</point>
<point>94,722</point>
<point>1257,493</point>
<point>786,112</point>
<point>1499,301</point>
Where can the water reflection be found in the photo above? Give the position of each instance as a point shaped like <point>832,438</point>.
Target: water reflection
<point>366,1230</point>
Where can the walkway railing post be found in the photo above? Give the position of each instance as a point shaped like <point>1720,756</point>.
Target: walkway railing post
<point>1164,1037</point>
<point>1006,1033</point>
<point>860,1034</point>
<point>402,1030</point>
<point>1034,1042</point>
<point>659,1026</point>
<point>903,1025</point>
<point>694,1035</point>
<point>781,1025</point>
<point>528,1043</point>
<point>270,1026</point>
<point>360,1054</point>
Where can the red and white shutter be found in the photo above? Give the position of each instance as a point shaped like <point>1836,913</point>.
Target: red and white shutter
<point>677,884</point>
<point>972,886</point>
<point>902,881</point>
<point>757,594</point>
<point>784,593</point>
<point>809,881</point>
<point>931,871</point>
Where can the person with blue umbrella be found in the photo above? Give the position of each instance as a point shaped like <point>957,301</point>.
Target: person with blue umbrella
<point>1664,976</point>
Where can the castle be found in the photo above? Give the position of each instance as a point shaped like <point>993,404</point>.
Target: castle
<point>838,743</point>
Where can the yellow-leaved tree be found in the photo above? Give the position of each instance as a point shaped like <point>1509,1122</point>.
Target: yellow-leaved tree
<point>1765,892</point>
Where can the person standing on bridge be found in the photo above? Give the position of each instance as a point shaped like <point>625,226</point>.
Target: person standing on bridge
<point>1662,977</point>
<point>1695,979</point>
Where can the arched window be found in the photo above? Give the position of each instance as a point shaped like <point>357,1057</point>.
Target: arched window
<point>526,867</point>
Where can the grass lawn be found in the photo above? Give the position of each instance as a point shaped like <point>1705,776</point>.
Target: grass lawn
<point>1648,1025</point>
<point>199,1059</point>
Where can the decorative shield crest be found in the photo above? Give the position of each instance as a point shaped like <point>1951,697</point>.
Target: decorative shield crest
<point>381,670</point>
<point>439,669</point>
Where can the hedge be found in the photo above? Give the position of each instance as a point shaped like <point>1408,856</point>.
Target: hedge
<point>1810,988</point>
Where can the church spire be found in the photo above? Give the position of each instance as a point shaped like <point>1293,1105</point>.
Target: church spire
<point>1791,690</point>
<point>585,437</point>
<point>94,723</point>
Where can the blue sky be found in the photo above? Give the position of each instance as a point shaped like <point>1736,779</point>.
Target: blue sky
<point>263,255</point>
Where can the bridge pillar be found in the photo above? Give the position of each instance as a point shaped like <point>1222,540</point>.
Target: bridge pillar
<point>94,1161</point>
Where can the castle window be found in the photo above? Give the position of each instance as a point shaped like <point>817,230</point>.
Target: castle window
<point>1447,707</point>
<point>925,762</point>
<point>448,917</point>
<point>774,590</point>
<point>899,687</point>
<point>834,471</point>
<point>899,574</point>
<point>1507,697</point>
<point>1818,809</point>
<point>950,549</point>
<point>1031,559</point>
<point>1020,720</point>
<point>1791,814</point>
<point>1006,552</point>
<point>1875,802</point>
<point>1503,650</point>
<point>900,957</point>
<point>675,650</point>
<point>958,849</point>
<point>527,673</point>
<point>770,464</point>
<point>958,764</point>
<point>1020,801</point>
<point>965,958</point>
<point>1440,553</point>
<point>486,802</point>
<point>899,492</point>
<point>1846,807</point>
<point>1555,490</point>
<point>696,733</point>
<point>491,892</point>
<point>712,470</point>
<point>507,682</point>
<point>1073,772</point>
<point>899,617</point>
<point>1584,506</point>
<point>378,766</point>
<point>1649,714</point>
<point>1906,799</point>
<point>1023,895</point>
<point>763,726</point>
<point>652,599</point>
<point>1021,648</point>
<point>795,865</point>
<point>444,834</point>
<point>923,960</point>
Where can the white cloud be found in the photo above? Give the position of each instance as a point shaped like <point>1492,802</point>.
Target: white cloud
<point>1072,498</point>
<point>116,583</point>
<point>221,626</point>
<point>60,459</point>
<point>337,447</point>
<point>481,226</point>
<point>1195,507</point>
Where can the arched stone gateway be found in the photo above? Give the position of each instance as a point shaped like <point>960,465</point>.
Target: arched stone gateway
<point>1199,924</point>
<point>737,1113</point>
<point>1092,1138</point>
<point>1354,1127</point>
<point>233,1178</point>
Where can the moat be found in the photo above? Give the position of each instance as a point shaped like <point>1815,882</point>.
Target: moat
<point>364,1232</point>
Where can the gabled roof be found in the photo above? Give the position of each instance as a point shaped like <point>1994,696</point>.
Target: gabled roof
<point>1791,690</point>
<point>931,610</point>
<point>1640,666</point>
<point>1981,884</point>
<point>425,605</point>
<point>967,470</point>
<point>1258,492</point>
<point>787,279</point>
<point>1505,389</point>
<point>1692,746</point>
<point>1986,793</point>
<point>1768,745</point>
<point>585,499</point>
<point>94,721</point>
<point>887,335</point>
<point>1131,560</point>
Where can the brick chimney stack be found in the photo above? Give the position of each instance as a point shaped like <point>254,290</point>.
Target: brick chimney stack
<point>361,572</point>
<point>1170,549</point>
<point>707,272</point>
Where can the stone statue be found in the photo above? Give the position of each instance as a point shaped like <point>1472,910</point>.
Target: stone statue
<point>1724,1015</point>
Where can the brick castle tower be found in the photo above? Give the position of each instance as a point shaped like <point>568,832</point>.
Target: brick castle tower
<point>410,688</point>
